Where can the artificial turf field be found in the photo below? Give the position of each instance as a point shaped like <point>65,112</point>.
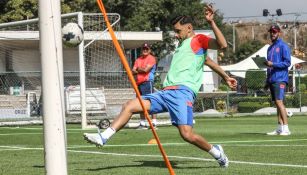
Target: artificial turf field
<point>249,150</point>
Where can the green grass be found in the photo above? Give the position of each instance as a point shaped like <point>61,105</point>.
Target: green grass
<point>250,151</point>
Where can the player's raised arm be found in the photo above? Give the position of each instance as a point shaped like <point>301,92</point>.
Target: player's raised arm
<point>220,41</point>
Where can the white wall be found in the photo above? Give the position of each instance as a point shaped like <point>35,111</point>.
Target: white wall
<point>71,60</point>
<point>26,60</point>
<point>210,78</point>
<point>29,60</point>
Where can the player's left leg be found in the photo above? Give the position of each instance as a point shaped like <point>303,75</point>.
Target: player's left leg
<point>216,151</point>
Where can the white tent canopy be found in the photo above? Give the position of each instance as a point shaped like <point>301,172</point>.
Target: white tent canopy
<point>239,69</point>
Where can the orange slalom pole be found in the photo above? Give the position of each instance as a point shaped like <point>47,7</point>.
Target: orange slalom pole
<point>131,78</point>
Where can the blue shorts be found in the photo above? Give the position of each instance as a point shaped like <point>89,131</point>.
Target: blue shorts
<point>278,90</point>
<point>146,88</point>
<point>178,102</point>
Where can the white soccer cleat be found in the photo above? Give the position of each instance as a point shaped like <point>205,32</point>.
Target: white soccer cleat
<point>94,139</point>
<point>222,160</point>
<point>285,133</point>
<point>273,133</point>
<point>142,127</point>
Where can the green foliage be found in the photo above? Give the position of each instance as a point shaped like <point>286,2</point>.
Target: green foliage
<point>248,107</point>
<point>255,79</point>
<point>302,87</point>
<point>158,82</point>
<point>140,15</point>
<point>247,49</point>
<point>136,15</point>
<point>15,10</point>
<point>300,97</point>
<point>236,100</point>
<point>290,101</point>
<point>221,105</point>
<point>223,87</point>
<point>85,6</point>
<point>302,81</point>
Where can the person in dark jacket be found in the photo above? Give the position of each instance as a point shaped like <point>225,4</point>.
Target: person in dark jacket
<point>278,61</point>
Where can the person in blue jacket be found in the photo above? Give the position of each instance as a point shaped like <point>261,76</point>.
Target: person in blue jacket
<point>278,61</point>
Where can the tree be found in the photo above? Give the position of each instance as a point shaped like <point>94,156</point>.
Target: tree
<point>247,49</point>
<point>149,15</point>
<point>16,10</point>
<point>136,15</point>
<point>86,6</point>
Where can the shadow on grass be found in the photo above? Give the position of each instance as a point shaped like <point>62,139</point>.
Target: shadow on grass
<point>38,166</point>
<point>156,164</point>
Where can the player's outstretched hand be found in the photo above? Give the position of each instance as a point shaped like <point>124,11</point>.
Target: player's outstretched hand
<point>232,83</point>
<point>209,12</point>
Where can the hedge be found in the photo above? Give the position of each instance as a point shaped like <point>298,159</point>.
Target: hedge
<point>248,107</point>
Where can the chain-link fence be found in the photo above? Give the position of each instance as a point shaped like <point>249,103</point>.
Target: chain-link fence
<point>251,96</point>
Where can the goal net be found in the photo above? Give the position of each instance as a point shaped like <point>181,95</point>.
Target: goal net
<point>94,79</point>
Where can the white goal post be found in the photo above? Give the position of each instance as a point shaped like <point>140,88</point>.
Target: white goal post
<point>93,64</point>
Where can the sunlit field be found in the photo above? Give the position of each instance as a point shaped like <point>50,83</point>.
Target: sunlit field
<point>250,151</point>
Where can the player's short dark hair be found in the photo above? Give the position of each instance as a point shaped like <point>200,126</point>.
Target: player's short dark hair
<point>182,19</point>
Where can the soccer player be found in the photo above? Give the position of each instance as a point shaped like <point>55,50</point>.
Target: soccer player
<point>278,61</point>
<point>144,68</point>
<point>181,86</point>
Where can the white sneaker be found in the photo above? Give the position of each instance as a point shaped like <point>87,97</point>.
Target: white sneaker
<point>142,127</point>
<point>285,133</point>
<point>222,160</point>
<point>94,139</point>
<point>275,132</point>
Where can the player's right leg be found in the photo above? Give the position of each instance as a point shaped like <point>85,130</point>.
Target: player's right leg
<point>283,117</point>
<point>278,94</point>
<point>132,106</point>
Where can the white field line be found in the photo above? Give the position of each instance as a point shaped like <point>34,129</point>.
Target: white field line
<point>40,128</point>
<point>16,134</point>
<point>6,148</point>
<point>12,148</point>
<point>245,145</point>
<point>179,144</point>
<point>190,158</point>
<point>184,143</point>
<point>34,133</point>
<point>223,142</point>
<point>255,141</point>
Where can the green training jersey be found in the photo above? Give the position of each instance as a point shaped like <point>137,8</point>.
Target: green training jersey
<point>187,64</point>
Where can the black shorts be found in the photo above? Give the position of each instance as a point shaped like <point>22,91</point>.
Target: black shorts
<point>146,88</point>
